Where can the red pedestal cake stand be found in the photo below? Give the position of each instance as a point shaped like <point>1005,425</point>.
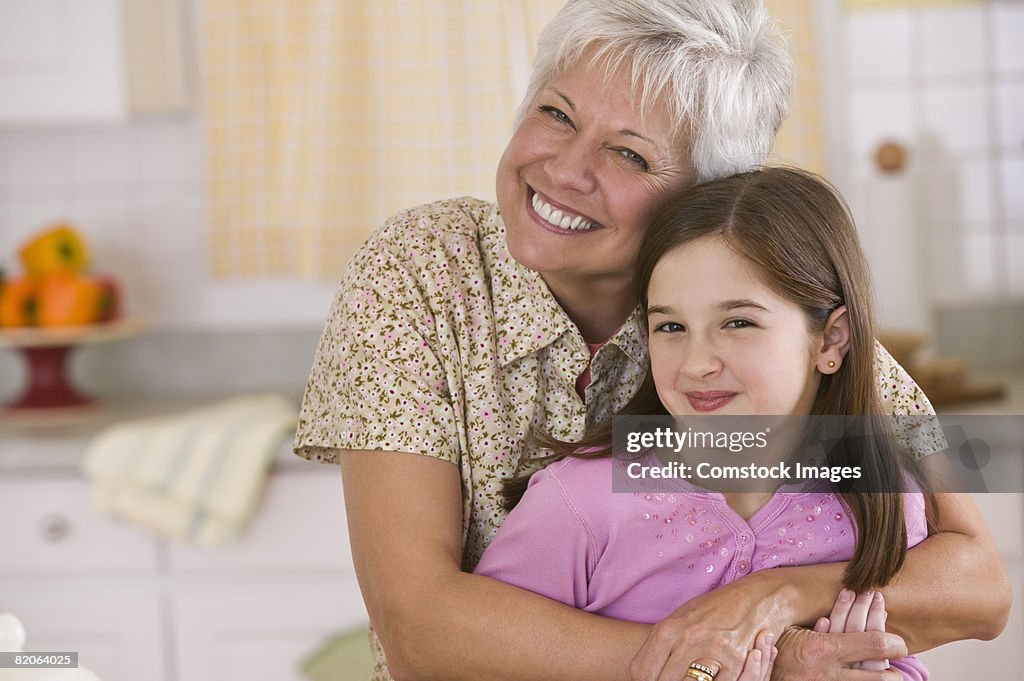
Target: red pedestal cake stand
<point>46,353</point>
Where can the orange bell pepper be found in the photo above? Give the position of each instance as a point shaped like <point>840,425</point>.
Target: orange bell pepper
<point>58,249</point>
<point>67,299</point>
<point>19,302</point>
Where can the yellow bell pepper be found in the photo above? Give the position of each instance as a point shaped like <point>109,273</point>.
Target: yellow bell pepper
<point>58,249</point>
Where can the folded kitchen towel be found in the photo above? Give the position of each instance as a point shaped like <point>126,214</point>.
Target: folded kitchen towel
<point>194,476</point>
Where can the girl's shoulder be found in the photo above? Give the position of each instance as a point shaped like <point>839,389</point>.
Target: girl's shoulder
<point>576,475</point>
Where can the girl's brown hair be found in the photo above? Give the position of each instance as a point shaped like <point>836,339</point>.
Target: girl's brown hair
<point>796,229</point>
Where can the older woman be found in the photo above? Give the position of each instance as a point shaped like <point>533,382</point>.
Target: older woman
<point>462,326</point>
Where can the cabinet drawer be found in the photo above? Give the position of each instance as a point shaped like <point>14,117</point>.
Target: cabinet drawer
<point>259,628</point>
<point>299,525</point>
<point>115,625</point>
<point>49,528</point>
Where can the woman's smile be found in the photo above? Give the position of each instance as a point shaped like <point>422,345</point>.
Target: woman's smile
<point>558,218</point>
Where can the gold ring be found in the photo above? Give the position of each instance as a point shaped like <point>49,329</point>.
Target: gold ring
<point>703,668</point>
<point>697,674</point>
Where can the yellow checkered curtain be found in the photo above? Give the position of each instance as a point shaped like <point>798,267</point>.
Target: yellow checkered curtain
<point>324,117</point>
<point>801,141</point>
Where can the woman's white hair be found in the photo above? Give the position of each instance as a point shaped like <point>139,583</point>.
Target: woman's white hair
<point>721,64</point>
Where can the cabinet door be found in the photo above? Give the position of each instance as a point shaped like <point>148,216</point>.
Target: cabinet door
<point>259,628</point>
<point>61,61</point>
<point>115,625</point>
<point>89,60</point>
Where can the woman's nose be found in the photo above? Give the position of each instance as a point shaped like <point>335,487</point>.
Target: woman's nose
<point>572,165</point>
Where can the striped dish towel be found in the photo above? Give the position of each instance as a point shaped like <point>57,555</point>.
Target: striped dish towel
<point>194,476</point>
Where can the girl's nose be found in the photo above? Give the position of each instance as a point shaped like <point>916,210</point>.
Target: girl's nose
<point>700,359</point>
<point>571,166</point>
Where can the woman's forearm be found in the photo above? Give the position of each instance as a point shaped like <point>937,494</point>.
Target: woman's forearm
<point>472,627</point>
<point>404,515</point>
<point>952,586</point>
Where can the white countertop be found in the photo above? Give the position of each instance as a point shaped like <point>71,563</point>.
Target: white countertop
<point>55,440</point>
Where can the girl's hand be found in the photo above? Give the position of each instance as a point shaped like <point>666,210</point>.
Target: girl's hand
<point>758,665</point>
<point>863,612</point>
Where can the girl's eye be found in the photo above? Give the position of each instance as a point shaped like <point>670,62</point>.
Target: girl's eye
<point>635,158</point>
<point>739,324</point>
<point>669,327</point>
<point>555,113</point>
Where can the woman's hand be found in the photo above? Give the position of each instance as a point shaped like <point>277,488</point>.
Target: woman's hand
<point>718,629</point>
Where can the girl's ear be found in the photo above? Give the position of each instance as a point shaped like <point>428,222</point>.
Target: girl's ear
<point>835,341</point>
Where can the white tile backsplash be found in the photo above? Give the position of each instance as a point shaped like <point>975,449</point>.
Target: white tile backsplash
<point>1007,21</point>
<point>953,42</point>
<point>879,45</point>
<point>957,117</point>
<point>1015,260</point>
<point>1010,112</point>
<point>978,252</point>
<point>103,157</point>
<point>1012,172</point>
<point>36,159</point>
<point>878,116</point>
<point>959,193</point>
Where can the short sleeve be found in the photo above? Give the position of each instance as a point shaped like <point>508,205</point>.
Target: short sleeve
<point>913,417</point>
<point>543,546</point>
<point>378,380</point>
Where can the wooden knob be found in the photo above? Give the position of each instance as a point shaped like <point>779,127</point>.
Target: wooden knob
<point>890,157</point>
<point>55,528</point>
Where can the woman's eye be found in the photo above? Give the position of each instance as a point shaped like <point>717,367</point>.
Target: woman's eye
<point>669,327</point>
<point>634,157</point>
<point>738,324</point>
<point>556,113</point>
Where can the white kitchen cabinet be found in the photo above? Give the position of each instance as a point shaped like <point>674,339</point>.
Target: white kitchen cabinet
<point>258,628</point>
<point>66,61</point>
<point>116,626</point>
<point>137,607</point>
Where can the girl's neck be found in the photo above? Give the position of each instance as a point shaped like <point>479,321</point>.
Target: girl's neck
<point>598,306</point>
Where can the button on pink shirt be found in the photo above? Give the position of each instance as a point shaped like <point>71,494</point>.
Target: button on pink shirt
<point>638,556</point>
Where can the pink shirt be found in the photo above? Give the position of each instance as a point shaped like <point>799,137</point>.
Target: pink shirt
<point>639,556</point>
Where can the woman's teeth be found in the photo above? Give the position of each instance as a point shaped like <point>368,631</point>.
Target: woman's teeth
<point>557,218</point>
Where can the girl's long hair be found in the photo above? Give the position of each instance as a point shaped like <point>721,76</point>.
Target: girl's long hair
<point>798,232</point>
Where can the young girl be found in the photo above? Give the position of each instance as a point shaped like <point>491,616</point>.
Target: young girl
<point>758,302</point>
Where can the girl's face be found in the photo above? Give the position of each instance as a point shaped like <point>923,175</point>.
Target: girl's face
<point>722,341</point>
<point>581,174</point>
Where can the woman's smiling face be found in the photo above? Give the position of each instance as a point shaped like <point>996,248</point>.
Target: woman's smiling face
<point>582,173</point>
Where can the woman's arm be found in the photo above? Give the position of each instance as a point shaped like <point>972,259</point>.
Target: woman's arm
<point>437,622</point>
<point>957,570</point>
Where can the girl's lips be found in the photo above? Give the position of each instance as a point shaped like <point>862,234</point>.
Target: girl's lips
<point>710,400</point>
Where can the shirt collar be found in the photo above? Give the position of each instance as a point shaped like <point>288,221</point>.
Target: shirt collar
<point>529,313</point>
